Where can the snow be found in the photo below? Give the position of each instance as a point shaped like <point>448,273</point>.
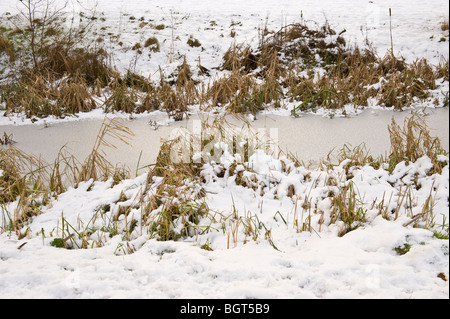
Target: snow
<point>282,261</point>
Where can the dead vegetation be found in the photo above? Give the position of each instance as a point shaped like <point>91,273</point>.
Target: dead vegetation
<point>444,25</point>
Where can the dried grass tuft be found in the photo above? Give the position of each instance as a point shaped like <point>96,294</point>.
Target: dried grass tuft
<point>74,96</point>
<point>412,141</point>
<point>96,166</point>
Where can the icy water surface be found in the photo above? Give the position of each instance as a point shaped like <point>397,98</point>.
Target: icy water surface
<point>309,138</point>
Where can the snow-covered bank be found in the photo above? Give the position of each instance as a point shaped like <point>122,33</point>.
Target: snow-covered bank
<point>260,226</point>
<point>415,24</point>
<point>315,136</point>
<point>123,30</point>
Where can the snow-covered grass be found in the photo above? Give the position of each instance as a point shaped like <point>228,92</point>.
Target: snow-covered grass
<point>236,220</point>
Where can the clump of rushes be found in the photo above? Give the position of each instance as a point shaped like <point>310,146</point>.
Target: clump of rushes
<point>184,74</point>
<point>444,25</point>
<point>23,180</point>
<point>11,181</point>
<point>136,82</point>
<point>186,86</point>
<point>193,42</point>
<point>159,27</point>
<point>407,82</point>
<point>298,40</point>
<point>7,139</point>
<point>347,208</point>
<point>233,90</point>
<point>310,66</point>
<point>27,183</point>
<point>96,166</point>
<point>136,46</point>
<point>74,96</point>
<point>36,96</point>
<point>90,64</point>
<point>168,202</point>
<point>358,156</point>
<point>294,47</point>
<point>173,200</point>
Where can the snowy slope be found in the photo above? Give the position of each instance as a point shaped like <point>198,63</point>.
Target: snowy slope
<point>256,245</point>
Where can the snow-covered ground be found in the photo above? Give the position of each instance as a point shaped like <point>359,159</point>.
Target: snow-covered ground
<point>259,249</point>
